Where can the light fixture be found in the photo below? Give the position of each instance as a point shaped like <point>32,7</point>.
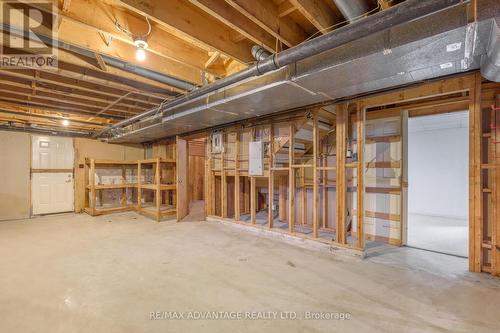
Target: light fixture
<point>140,41</point>
<point>142,45</point>
<point>65,122</point>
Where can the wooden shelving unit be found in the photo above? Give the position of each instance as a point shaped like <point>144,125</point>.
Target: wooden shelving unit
<point>135,185</point>
<point>163,186</point>
<point>119,175</point>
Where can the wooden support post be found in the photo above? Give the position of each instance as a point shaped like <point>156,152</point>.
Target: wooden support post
<point>495,188</point>
<point>123,199</point>
<point>325,193</point>
<point>237,177</point>
<point>139,182</point>
<point>291,180</point>
<point>475,188</point>
<point>303,199</point>
<point>341,151</point>
<point>158,190</point>
<point>92,186</point>
<point>223,196</point>
<point>315,175</point>
<point>86,183</point>
<point>252,200</point>
<point>360,177</point>
<point>271,177</point>
<point>282,199</point>
<point>208,193</point>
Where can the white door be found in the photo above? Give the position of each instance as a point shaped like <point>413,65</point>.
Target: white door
<point>52,188</point>
<point>52,152</point>
<point>52,192</point>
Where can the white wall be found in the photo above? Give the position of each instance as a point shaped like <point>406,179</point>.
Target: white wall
<point>14,175</point>
<point>438,152</point>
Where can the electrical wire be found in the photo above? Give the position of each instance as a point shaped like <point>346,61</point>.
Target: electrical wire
<point>129,33</point>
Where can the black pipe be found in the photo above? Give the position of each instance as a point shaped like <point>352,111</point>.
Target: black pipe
<point>407,11</point>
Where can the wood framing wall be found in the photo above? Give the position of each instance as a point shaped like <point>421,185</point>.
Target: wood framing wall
<point>338,173</point>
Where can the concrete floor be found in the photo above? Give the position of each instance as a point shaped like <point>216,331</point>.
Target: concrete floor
<point>441,234</point>
<point>75,273</point>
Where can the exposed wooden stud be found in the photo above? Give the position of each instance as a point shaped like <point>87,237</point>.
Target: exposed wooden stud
<point>282,197</point>
<point>315,175</point>
<point>271,177</point>
<point>158,189</point>
<point>252,200</point>
<point>139,185</point>
<point>360,177</point>
<point>92,186</point>
<point>223,197</point>
<point>475,195</point>
<point>341,151</point>
<point>291,179</point>
<point>237,177</point>
<point>303,198</point>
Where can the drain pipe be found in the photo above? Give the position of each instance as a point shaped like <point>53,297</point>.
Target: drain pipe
<point>259,53</point>
<point>407,11</point>
<point>352,10</point>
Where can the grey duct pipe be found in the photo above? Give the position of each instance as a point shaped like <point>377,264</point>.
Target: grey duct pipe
<point>404,12</point>
<point>490,63</point>
<point>352,10</point>
<point>169,80</point>
<point>259,53</point>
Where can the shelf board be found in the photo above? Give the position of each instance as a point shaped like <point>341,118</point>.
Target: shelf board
<point>101,162</point>
<point>101,211</point>
<point>163,187</point>
<point>154,160</point>
<point>112,186</point>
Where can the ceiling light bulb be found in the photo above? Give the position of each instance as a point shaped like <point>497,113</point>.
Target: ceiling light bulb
<point>140,54</point>
<point>65,122</point>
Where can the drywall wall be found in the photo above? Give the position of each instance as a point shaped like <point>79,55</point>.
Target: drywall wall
<point>438,157</point>
<point>15,175</point>
<point>87,148</point>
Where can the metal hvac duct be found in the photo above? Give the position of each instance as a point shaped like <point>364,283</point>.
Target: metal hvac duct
<point>490,64</point>
<point>404,12</point>
<point>352,10</point>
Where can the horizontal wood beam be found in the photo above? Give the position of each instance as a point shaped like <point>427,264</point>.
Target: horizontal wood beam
<point>188,22</point>
<point>319,13</point>
<point>73,87</point>
<point>237,21</point>
<point>45,104</point>
<point>57,96</point>
<point>266,15</point>
<point>100,17</point>
<point>34,113</point>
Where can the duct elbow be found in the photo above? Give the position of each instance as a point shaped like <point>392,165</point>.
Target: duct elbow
<point>490,63</point>
<point>259,53</point>
<point>353,10</point>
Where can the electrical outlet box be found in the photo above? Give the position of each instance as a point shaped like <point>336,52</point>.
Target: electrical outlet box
<point>256,158</point>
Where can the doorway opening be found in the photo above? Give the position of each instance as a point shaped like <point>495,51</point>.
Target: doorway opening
<point>438,155</point>
<point>196,179</point>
